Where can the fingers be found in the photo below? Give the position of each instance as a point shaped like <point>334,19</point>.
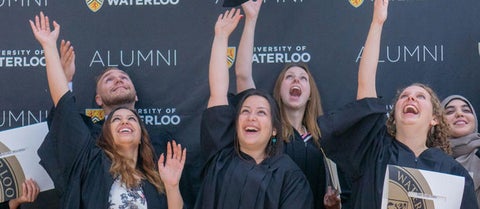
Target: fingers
<point>63,47</point>
<point>37,23</point>
<point>47,23</point>
<point>331,198</point>
<point>67,53</point>
<point>43,25</point>
<point>181,154</point>
<point>184,156</point>
<point>161,161</point>
<point>32,25</point>
<point>229,14</point>
<point>56,26</point>
<point>175,150</point>
<point>223,16</point>
<point>169,150</point>
<point>36,190</point>
<point>220,17</point>
<point>24,189</point>
<point>70,55</point>
<point>31,190</point>
<point>234,13</point>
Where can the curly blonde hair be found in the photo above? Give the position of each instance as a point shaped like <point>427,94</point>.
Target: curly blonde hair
<point>437,136</point>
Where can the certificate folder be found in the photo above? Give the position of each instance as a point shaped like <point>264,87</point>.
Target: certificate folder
<point>409,188</point>
<point>19,160</point>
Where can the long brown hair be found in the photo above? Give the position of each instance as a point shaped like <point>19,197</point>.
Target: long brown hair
<point>313,107</point>
<point>437,136</point>
<point>145,167</point>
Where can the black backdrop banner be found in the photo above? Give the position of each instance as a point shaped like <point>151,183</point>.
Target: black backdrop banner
<point>165,46</point>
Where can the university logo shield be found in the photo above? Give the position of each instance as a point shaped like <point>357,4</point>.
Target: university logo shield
<point>94,5</point>
<point>402,182</point>
<point>356,3</point>
<point>231,53</point>
<point>95,114</point>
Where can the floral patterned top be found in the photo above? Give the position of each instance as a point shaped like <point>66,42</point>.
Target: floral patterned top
<point>122,198</point>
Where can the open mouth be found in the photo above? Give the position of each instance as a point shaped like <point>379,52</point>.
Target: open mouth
<point>126,130</point>
<point>251,129</point>
<point>410,109</point>
<point>295,91</point>
<point>460,122</point>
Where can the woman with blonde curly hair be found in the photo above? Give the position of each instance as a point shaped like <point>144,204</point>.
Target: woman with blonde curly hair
<point>359,138</point>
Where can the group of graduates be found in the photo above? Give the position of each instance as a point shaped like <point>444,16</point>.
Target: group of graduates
<point>261,151</point>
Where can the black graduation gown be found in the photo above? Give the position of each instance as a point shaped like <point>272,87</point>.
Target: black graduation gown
<point>309,159</point>
<point>233,180</point>
<point>355,137</point>
<point>79,168</point>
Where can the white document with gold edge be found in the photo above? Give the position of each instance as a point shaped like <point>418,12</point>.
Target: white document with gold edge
<point>19,160</point>
<point>409,188</point>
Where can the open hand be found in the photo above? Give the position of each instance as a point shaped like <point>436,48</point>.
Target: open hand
<point>171,166</point>
<point>42,31</point>
<point>227,22</point>
<point>67,57</point>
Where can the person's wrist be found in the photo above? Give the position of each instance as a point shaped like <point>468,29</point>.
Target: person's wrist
<point>13,203</point>
<point>170,188</point>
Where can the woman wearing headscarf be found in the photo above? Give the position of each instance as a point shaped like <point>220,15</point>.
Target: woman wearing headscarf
<point>463,135</point>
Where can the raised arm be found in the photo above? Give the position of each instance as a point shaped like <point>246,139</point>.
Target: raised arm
<point>57,82</point>
<point>67,57</point>
<point>243,63</point>
<point>218,69</point>
<point>369,62</point>
<point>170,168</point>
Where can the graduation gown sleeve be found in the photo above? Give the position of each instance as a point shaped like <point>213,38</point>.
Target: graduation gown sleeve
<point>350,135</point>
<point>65,140</point>
<point>217,130</point>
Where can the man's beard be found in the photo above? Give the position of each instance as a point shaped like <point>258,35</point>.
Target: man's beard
<point>117,100</point>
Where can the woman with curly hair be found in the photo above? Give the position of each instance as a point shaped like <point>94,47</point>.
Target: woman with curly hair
<point>361,140</point>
